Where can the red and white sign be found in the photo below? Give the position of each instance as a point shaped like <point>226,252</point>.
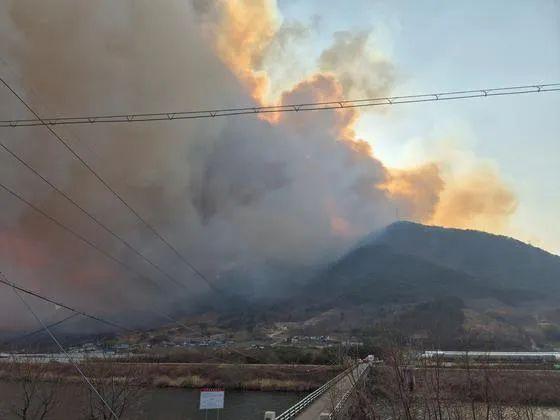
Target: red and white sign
<point>211,398</point>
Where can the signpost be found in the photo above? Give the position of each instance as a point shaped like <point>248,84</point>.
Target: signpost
<point>212,399</point>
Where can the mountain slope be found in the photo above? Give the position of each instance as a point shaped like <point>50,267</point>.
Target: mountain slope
<point>409,262</point>
<point>501,261</point>
<point>376,274</point>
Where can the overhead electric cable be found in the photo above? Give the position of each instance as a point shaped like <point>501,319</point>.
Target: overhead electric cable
<point>99,223</point>
<point>84,239</point>
<point>91,216</point>
<point>40,330</point>
<point>76,234</point>
<point>4,280</point>
<point>63,350</point>
<point>106,185</point>
<point>300,107</point>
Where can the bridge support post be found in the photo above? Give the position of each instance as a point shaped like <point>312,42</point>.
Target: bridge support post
<point>269,415</point>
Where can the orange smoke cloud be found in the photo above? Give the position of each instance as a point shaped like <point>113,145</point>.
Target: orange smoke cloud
<point>22,252</point>
<point>479,200</point>
<point>476,200</point>
<point>27,253</point>
<point>320,88</point>
<point>416,190</point>
<point>241,31</point>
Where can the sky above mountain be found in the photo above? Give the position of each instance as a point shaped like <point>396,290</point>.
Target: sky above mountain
<point>443,47</point>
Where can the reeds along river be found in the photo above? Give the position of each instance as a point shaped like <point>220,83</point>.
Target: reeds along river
<point>159,403</point>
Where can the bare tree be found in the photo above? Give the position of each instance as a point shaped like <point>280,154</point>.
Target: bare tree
<point>119,388</point>
<point>476,389</point>
<point>38,390</point>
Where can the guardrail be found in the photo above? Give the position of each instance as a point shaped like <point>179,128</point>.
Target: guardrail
<point>347,394</point>
<point>304,403</point>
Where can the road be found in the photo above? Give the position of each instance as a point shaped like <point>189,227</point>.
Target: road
<point>326,402</point>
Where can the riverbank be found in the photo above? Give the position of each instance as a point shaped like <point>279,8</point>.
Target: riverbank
<point>249,377</point>
<point>72,402</point>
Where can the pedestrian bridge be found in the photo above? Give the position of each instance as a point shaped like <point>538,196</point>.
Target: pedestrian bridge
<point>326,401</point>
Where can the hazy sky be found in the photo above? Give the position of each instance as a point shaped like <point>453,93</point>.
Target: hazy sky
<point>438,46</point>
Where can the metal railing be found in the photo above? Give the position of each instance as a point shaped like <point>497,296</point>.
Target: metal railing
<point>347,394</point>
<point>304,403</point>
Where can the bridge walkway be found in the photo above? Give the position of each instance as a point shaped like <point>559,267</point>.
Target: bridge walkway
<point>330,397</point>
<point>335,397</point>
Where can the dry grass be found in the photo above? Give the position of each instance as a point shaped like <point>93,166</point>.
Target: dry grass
<point>230,376</point>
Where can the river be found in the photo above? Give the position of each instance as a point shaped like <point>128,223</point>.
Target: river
<point>163,404</point>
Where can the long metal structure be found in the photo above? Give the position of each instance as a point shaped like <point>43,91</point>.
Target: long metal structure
<point>301,107</point>
<point>300,406</point>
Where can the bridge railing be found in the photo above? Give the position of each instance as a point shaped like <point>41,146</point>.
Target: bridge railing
<point>347,394</point>
<point>304,403</point>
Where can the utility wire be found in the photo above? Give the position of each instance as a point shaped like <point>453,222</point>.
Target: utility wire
<point>79,236</point>
<point>75,233</point>
<point>88,242</point>
<point>91,216</point>
<point>40,330</point>
<point>311,106</point>
<point>63,350</point>
<point>108,187</point>
<point>4,280</point>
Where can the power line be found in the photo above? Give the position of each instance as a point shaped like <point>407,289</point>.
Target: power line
<point>74,233</point>
<point>311,106</point>
<point>40,330</point>
<point>63,350</point>
<point>91,216</point>
<point>106,185</point>
<point>4,280</point>
<point>83,238</point>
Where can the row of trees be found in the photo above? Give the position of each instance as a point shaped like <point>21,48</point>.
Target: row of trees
<point>403,387</point>
<point>411,389</point>
<point>39,392</point>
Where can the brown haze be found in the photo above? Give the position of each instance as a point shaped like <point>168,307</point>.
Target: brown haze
<point>238,196</point>
<point>477,201</point>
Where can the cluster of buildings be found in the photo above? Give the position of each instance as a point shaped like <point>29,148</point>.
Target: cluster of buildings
<point>322,340</point>
<point>493,356</point>
<point>193,342</point>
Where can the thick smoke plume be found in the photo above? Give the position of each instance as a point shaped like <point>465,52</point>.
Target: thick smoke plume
<point>240,197</point>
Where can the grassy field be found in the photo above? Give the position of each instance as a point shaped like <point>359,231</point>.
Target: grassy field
<point>253,377</point>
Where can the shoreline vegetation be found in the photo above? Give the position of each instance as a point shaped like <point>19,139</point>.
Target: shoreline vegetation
<point>407,388</point>
<point>402,386</point>
<point>243,377</point>
<point>542,384</point>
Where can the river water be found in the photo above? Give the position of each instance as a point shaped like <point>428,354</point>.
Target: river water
<point>162,404</point>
